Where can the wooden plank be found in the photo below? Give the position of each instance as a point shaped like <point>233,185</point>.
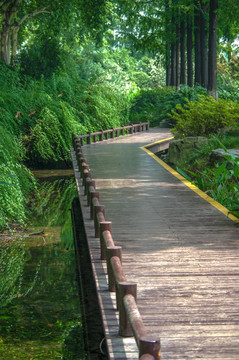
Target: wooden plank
<point>118,348</point>
<point>182,252</point>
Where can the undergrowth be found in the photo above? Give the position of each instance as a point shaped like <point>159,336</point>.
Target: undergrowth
<point>219,179</point>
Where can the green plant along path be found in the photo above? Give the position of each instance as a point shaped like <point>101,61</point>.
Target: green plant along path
<point>40,309</point>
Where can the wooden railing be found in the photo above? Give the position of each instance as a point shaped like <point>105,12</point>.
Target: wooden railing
<point>112,133</point>
<point>130,321</point>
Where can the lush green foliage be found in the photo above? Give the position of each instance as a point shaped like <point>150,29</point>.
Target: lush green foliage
<point>85,94</point>
<point>16,181</point>
<point>156,103</point>
<point>88,92</point>
<point>219,180</point>
<point>204,117</point>
<point>11,271</point>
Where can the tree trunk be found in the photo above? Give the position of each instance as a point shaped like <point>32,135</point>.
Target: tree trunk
<point>203,43</point>
<point>9,11</point>
<point>182,53</point>
<point>197,46</point>
<point>15,30</point>
<point>177,57</point>
<point>167,45</point>
<point>173,65</point>
<point>189,51</point>
<point>5,44</point>
<point>212,55</point>
<point>168,65</point>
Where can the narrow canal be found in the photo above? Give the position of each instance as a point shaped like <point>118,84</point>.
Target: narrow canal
<point>40,312</point>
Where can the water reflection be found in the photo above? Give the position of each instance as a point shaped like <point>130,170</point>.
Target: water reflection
<point>40,309</point>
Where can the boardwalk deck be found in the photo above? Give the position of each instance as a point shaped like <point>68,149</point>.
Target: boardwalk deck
<point>182,252</point>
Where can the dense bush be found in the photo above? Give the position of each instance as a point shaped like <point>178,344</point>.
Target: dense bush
<point>16,181</point>
<point>217,179</point>
<point>79,97</point>
<point>204,117</point>
<point>155,104</point>
<point>39,114</point>
<point>41,58</point>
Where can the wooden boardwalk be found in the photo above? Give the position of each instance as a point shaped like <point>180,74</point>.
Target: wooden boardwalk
<point>182,252</point>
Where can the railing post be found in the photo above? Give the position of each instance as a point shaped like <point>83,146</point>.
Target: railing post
<point>87,178</point>
<point>149,346</point>
<point>147,357</point>
<point>78,149</point>
<point>132,129</point>
<point>88,184</point>
<point>97,209</point>
<point>147,126</point>
<point>113,133</point>
<point>92,195</point>
<point>89,138</point>
<point>110,252</point>
<point>118,274</point>
<point>104,226</point>
<point>122,130</point>
<point>125,288</point>
<point>140,127</point>
<point>85,174</point>
<point>101,136</point>
<point>84,171</point>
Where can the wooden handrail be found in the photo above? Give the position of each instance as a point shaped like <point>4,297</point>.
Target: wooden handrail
<point>130,321</point>
<point>134,317</point>
<point>119,131</point>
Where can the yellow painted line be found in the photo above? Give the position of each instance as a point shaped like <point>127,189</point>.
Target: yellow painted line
<point>210,200</point>
<point>157,142</point>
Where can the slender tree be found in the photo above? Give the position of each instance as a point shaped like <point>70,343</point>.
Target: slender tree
<point>173,51</point>
<point>204,42</point>
<point>212,57</point>
<point>183,50</point>
<point>189,49</point>
<point>177,49</point>
<point>167,43</point>
<point>197,45</point>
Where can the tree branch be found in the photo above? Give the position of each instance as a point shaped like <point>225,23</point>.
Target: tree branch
<point>6,3</point>
<point>32,14</point>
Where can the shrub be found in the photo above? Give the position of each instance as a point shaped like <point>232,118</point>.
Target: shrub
<point>219,181</point>
<point>16,181</point>
<point>204,117</point>
<point>155,104</point>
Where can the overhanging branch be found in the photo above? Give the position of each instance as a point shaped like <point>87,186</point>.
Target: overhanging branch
<point>33,14</point>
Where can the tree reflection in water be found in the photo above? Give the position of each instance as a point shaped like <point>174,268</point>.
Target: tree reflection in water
<point>40,309</point>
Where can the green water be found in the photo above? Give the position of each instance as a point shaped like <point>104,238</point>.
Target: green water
<point>39,302</point>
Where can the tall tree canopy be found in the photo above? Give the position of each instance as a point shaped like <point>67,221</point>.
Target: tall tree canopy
<point>185,31</point>
<point>65,20</point>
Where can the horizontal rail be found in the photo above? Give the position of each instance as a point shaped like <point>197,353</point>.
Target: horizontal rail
<point>130,321</point>
<point>112,133</point>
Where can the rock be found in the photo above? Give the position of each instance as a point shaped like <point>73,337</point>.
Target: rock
<point>179,149</point>
<point>217,155</point>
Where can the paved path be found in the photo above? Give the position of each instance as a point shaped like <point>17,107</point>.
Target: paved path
<point>182,252</point>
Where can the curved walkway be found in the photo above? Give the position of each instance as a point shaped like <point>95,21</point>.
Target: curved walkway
<point>182,252</point>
